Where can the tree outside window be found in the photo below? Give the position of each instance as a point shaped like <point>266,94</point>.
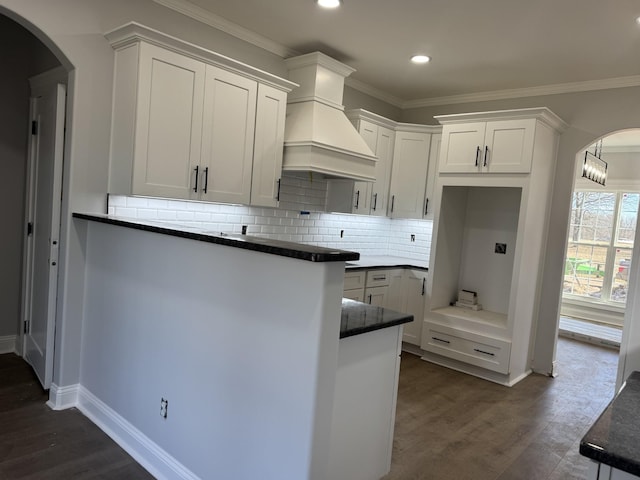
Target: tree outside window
<point>601,233</point>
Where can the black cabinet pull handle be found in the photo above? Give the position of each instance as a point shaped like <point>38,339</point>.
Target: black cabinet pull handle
<point>375,201</point>
<point>195,188</point>
<point>278,190</point>
<point>440,340</point>
<point>486,153</point>
<point>477,155</point>
<point>393,201</point>
<point>206,179</point>
<point>357,198</point>
<point>426,206</point>
<point>423,282</point>
<point>485,353</point>
<point>369,299</point>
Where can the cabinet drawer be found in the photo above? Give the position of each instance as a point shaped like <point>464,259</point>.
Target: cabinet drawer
<point>353,280</point>
<point>486,352</point>
<point>378,278</point>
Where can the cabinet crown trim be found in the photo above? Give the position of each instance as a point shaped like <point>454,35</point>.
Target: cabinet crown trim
<point>542,114</point>
<point>361,114</point>
<point>134,32</point>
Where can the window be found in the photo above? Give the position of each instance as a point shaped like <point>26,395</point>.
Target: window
<point>601,233</point>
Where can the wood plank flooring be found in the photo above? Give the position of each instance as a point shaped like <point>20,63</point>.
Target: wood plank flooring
<point>449,425</point>
<point>38,443</point>
<point>453,426</point>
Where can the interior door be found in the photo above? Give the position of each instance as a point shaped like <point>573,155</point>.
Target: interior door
<point>44,201</point>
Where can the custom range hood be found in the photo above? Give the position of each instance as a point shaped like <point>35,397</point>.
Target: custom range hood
<point>318,137</point>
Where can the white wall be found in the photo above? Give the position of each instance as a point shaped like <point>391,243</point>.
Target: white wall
<point>244,345</point>
<point>21,56</point>
<point>590,115</point>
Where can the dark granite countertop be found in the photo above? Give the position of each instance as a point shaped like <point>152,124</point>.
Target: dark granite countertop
<point>358,317</point>
<point>258,244</point>
<point>614,439</point>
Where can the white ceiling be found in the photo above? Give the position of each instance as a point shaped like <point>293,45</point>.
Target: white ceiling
<point>477,45</point>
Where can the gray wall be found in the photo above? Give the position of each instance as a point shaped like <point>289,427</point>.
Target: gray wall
<point>21,56</point>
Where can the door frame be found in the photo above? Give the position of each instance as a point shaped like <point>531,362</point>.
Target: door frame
<point>38,84</point>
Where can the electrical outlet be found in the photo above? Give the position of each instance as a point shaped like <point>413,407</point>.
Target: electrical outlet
<point>413,237</point>
<point>244,229</point>
<point>501,248</point>
<point>164,407</point>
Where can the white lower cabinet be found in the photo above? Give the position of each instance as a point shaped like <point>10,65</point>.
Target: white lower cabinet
<point>399,289</point>
<point>600,471</point>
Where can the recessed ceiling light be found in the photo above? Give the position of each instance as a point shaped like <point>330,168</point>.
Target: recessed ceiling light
<point>329,3</point>
<point>638,20</point>
<point>420,59</point>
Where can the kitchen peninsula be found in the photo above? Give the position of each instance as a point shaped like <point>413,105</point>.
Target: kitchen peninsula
<point>250,343</point>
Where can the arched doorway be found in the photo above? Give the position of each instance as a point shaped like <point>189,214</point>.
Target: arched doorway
<point>24,57</point>
<point>601,241</point>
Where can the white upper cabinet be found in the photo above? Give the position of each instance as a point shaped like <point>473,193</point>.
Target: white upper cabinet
<point>499,146</point>
<point>167,135</point>
<point>432,173</point>
<point>409,173</point>
<point>227,137</point>
<point>191,124</point>
<point>269,137</point>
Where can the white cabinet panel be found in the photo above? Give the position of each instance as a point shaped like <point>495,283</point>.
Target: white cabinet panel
<point>227,137</point>
<point>169,123</point>
<point>409,174</point>
<point>461,147</point>
<point>376,296</point>
<point>434,153</point>
<point>267,151</point>
<point>414,293</point>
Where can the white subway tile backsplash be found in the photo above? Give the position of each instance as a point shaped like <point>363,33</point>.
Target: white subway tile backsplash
<point>300,193</point>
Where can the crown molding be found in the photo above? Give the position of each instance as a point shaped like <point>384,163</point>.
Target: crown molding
<point>200,14</point>
<point>374,92</point>
<point>560,88</point>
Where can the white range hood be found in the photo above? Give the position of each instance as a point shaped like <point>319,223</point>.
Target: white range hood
<point>318,137</point>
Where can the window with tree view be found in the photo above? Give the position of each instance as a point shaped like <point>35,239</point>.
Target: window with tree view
<point>601,233</point>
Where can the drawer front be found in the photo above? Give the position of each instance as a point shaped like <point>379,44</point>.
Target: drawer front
<point>486,352</point>
<point>353,280</point>
<point>378,278</point>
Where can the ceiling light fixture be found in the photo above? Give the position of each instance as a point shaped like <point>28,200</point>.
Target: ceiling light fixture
<point>594,168</point>
<point>638,20</point>
<point>329,3</point>
<point>420,59</point>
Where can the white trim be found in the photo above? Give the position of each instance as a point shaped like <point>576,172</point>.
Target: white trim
<point>205,16</point>
<point>133,32</point>
<point>61,398</point>
<point>146,452</point>
<point>557,89</point>
<point>542,114</point>
<point>42,81</point>
<point>8,344</point>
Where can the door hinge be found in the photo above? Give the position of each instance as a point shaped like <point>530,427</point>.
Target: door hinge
<point>29,229</point>
<point>26,326</point>
<point>34,127</point>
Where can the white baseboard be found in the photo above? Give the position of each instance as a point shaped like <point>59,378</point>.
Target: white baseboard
<point>61,398</point>
<point>146,452</point>
<point>8,344</point>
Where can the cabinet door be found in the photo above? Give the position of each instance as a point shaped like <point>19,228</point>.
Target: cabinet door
<point>395,293</point>
<point>415,289</point>
<point>380,189</point>
<point>268,146</point>
<point>227,138</point>
<point>409,174</point>
<point>168,124</point>
<point>508,146</point>
<point>376,296</point>
<point>357,295</point>
<point>432,173</point>
<point>462,148</point>
<point>361,197</point>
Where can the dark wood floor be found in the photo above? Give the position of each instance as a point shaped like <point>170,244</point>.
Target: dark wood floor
<point>38,443</point>
<point>448,426</point>
<point>453,426</point>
